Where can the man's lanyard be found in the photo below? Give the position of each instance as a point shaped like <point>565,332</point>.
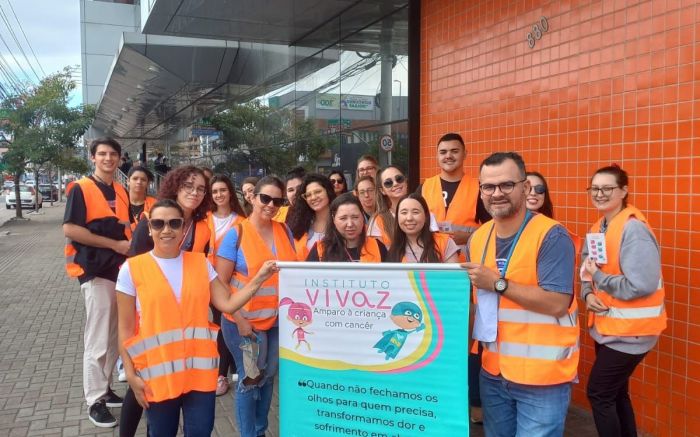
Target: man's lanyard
<point>512,246</point>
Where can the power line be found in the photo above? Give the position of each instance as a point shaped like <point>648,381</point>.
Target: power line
<point>21,49</point>
<point>9,2</point>
<point>13,57</point>
<point>10,75</point>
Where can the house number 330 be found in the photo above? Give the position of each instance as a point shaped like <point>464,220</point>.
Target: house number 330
<point>537,31</point>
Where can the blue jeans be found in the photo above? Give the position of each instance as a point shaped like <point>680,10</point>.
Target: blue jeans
<point>197,411</point>
<point>512,409</point>
<point>253,402</point>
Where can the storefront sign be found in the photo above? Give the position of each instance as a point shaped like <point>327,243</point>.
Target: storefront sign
<point>345,101</point>
<point>373,349</point>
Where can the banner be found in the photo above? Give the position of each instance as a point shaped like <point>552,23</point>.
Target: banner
<point>373,349</point>
<point>344,101</point>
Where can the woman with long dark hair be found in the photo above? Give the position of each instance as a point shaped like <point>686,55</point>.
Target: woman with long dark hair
<point>247,189</point>
<point>310,215</point>
<point>413,241</point>
<point>539,199</point>
<point>345,238</point>
<point>226,213</point>
<point>340,184</point>
<point>624,295</point>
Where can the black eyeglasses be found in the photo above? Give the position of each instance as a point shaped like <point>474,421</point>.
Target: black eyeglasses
<point>337,181</point>
<point>159,224</point>
<point>399,179</point>
<point>538,189</point>
<point>607,191</point>
<point>504,187</point>
<point>265,199</point>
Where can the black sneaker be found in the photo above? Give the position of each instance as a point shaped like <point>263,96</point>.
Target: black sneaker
<point>99,415</point>
<point>112,400</point>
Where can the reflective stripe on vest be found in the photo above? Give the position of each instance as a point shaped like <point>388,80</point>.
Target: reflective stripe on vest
<point>531,348</point>
<point>171,367</point>
<point>97,208</point>
<point>644,315</point>
<point>462,210</point>
<point>175,349</point>
<point>261,310</point>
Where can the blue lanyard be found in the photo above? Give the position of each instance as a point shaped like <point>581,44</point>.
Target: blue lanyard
<point>512,246</point>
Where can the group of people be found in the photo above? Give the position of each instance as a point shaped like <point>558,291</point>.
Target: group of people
<point>152,269</point>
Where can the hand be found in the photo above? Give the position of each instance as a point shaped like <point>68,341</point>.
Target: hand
<point>268,269</point>
<point>481,276</point>
<point>140,389</point>
<point>121,247</point>
<point>591,266</point>
<point>245,329</point>
<point>593,303</point>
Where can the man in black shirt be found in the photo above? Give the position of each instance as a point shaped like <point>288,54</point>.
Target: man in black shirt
<point>96,223</point>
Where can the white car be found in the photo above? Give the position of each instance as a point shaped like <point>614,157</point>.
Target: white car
<point>26,195</point>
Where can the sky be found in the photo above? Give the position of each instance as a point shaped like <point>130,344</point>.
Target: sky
<point>53,30</point>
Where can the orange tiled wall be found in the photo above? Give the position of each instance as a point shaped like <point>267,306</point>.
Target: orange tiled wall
<point>610,81</point>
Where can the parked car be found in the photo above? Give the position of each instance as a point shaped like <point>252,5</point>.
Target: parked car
<point>29,182</point>
<point>8,184</point>
<point>49,192</point>
<point>26,195</point>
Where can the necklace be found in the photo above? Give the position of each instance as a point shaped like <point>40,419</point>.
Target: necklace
<point>347,252</point>
<point>100,179</point>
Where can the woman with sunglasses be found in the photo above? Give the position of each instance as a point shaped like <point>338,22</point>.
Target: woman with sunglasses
<point>340,185</point>
<point>309,217</point>
<point>538,199</point>
<point>624,295</point>
<point>165,292</point>
<point>139,200</point>
<point>365,191</point>
<point>226,213</point>
<point>391,187</point>
<point>187,187</point>
<point>242,254</point>
<point>345,239</point>
<point>414,242</point>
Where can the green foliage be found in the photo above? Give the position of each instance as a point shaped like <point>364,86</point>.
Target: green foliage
<point>270,138</point>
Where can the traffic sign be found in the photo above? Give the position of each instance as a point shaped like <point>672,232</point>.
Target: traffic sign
<point>386,143</point>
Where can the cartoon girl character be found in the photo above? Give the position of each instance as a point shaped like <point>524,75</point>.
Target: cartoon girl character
<point>407,316</point>
<point>300,314</point>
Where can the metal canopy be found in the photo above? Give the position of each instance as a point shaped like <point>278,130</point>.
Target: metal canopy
<point>271,21</point>
<point>161,83</point>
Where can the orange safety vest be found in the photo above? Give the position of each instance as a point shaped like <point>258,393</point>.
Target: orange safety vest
<point>531,348</point>
<point>642,316</point>
<point>148,204</point>
<point>261,309</point>
<point>300,247</point>
<point>369,254</point>
<point>174,350</point>
<point>215,243</point>
<point>281,215</point>
<point>378,222</point>
<point>441,241</point>
<point>97,208</point>
<point>461,213</point>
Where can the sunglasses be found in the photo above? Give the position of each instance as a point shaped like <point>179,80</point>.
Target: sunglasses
<point>399,179</point>
<point>276,201</point>
<point>539,189</point>
<point>337,181</point>
<point>159,224</point>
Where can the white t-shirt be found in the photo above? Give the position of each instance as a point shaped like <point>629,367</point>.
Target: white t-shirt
<point>221,225</point>
<point>313,237</point>
<point>450,250</point>
<point>172,270</point>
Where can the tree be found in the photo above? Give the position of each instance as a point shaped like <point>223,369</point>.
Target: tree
<point>271,139</point>
<point>42,126</point>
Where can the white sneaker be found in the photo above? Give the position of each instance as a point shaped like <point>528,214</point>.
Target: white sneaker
<point>234,377</point>
<point>120,369</point>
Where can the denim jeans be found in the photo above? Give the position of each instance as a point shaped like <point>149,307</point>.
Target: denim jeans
<point>253,402</point>
<point>197,410</point>
<point>512,409</point>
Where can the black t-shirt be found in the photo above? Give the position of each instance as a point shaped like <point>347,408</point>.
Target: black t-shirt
<point>448,193</point>
<point>135,212</point>
<point>354,252</point>
<point>97,262</point>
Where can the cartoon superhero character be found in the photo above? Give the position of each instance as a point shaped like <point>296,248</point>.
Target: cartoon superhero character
<point>407,316</point>
<point>300,314</point>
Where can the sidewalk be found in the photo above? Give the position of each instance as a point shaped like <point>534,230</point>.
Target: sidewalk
<point>41,342</point>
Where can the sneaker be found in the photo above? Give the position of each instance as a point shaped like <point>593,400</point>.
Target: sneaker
<point>234,377</point>
<point>99,415</point>
<point>120,370</point>
<point>222,386</point>
<point>112,400</point>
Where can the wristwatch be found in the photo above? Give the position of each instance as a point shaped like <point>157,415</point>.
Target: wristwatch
<point>500,286</point>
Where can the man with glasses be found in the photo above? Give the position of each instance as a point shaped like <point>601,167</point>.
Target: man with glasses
<point>522,267</point>
<point>96,223</point>
<point>452,196</point>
